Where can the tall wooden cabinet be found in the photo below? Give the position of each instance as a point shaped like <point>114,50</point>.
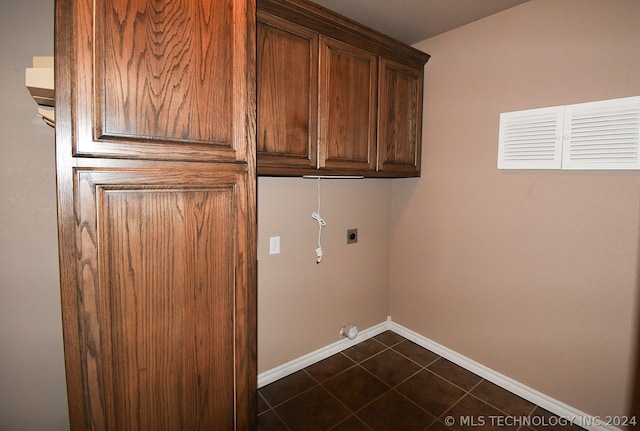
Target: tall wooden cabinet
<point>155,137</point>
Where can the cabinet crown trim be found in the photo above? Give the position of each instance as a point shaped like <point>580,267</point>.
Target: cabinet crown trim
<point>332,24</point>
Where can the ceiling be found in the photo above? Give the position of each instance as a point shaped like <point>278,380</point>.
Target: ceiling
<point>412,21</point>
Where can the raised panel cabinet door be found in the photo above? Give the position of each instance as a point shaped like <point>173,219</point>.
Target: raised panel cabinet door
<point>347,107</point>
<point>159,323</point>
<point>399,118</point>
<point>163,80</point>
<point>287,82</point>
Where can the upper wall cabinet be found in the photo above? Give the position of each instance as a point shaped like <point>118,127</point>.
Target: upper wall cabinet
<point>335,97</point>
<point>347,107</point>
<point>399,118</point>
<point>288,91</point>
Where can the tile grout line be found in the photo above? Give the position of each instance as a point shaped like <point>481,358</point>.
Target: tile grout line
<point>351,412</point>
<point>467,392</point>
<point>272,408</point>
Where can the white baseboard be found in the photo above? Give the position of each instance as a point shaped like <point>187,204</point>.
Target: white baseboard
<point>556,407</point>
<point>318,355</point>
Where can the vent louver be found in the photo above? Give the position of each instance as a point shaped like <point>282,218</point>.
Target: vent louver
<point>530,139</point>
<point>595,135</point>
<point>603,135</point>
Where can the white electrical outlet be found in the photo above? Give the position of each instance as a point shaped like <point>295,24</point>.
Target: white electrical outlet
<point>274,245</point>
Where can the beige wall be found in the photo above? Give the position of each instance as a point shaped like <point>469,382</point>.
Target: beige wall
<point>302,305</point>
<point>32,380</point>
<point>531,273</point>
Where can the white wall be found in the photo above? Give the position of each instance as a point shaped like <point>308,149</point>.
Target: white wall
<point>561,319</point>
<point>531,273</point>
<point>32,380</point>
<point>302,305</point>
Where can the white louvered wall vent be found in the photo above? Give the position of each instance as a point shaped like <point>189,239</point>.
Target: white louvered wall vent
<point>594,135</point>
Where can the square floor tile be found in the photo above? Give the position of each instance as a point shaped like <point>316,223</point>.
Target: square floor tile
<point>364,350</point>
<point>503,399</point>
<point>262,404</point>
<point>393,412</point>
<point>389,338</point>
<point>313,410</point>
<point>544,420</point>
<point>351,424</point>
<point>287,387</point>
<point>455,373</point>
<point>391,367</point>
<point>269,421</point>
<point>438,426</point>
<point>431,392</point>
<point>355,387</point>
<point>416,353</point>
<point>329,367</point>
<point>472,414</point>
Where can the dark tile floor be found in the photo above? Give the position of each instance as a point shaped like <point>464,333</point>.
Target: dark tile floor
<point>391,383</point>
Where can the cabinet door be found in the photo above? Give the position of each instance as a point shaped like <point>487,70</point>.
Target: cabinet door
<point>399,118</point>
<point>159,322</point>
<point>287,70</point>
<point>165,79</point>
<point>347,104</point>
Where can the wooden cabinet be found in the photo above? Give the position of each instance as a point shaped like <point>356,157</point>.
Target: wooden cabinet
<point>347,107</point>
<point>368,92</point>
<point>155,153</point>
<point>399,118</point>
<point>287,65</point>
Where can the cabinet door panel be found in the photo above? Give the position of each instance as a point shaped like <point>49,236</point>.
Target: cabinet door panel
<point>399,118</point>
<point>159,262</point>
<point>347,104</point>
<point>287,70</point>
<point>168,80</point>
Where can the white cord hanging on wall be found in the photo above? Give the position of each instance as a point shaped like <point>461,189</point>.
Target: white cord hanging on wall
<point>316,215</point>
<point>321,224</point>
